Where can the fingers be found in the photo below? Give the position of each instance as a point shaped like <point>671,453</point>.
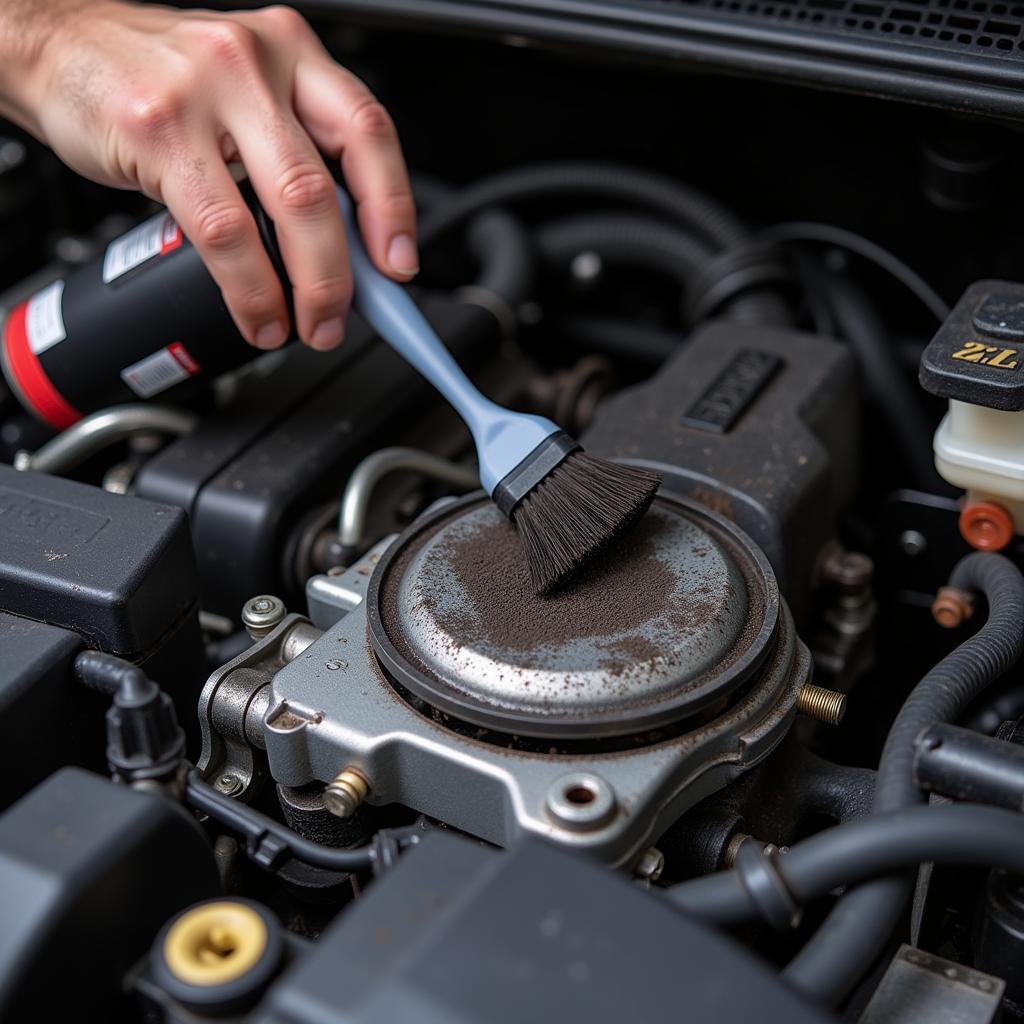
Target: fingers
<point>210,210</point>
<point>346,121</point>
<point>298,192</point>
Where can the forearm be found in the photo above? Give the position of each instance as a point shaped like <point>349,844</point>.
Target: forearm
<point>25,28</point>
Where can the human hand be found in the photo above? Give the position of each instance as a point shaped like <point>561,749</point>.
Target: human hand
<point>162,100</point>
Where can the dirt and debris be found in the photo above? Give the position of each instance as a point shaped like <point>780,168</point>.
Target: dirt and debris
<point>627,587</point>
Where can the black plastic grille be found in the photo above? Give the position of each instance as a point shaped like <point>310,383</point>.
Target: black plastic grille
<point>972,26</point>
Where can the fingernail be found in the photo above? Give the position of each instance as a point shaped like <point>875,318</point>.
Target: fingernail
<point>271,335</point>
<point>402,256</point>
<point>327,334</point>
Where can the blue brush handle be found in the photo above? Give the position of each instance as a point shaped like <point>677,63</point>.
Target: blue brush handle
<point>503,438</point>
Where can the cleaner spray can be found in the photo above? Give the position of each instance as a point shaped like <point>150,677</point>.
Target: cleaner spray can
<point>144,321</point>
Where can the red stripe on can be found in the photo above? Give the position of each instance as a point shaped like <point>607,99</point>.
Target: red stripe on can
<point>183,358</point>
<point>172,237</point>
<point>29,376</point>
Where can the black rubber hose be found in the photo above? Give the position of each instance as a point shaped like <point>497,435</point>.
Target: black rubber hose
<point>829,234</point>
<point>840,791</point>
<point>634,240</point>
<point>865,849</point>
<point>106,673</point>
<point>496,240</point>
<point>896,398</point>
<point>623,239</point>
<point>685,206</point>
<point>628,339</point>
<point>843,948</point>
<point>501,246</point>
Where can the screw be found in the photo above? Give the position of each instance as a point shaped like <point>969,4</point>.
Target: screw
<point>952,607</point>
<point>848,570</point>
<point>228,784</point>
<point>650,865</point>
<point>261,614</point>
<point>824,705</point>
<point>346,792</point>
<point>913,543</point>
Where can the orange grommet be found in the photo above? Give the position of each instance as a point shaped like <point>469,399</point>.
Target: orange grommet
<point>986,525</point>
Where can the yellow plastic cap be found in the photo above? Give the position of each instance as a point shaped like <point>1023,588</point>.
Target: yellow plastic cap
<point>215,943</point>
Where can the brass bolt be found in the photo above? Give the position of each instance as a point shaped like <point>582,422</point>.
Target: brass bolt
<point>650,865</point>
<point>952,607</point>
<point>346,792</point>
<point>824,705</point>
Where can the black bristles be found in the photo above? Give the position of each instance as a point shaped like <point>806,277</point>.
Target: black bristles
<point>577,509</point>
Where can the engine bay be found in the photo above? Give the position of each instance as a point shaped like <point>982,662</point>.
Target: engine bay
<point>288,736</point>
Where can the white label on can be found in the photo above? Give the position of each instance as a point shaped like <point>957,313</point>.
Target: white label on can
<point>160,371</point>
<point>44,318</point>
<point>151,238</point>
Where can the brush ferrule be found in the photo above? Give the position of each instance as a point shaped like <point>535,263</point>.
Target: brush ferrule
<point>547,456</point>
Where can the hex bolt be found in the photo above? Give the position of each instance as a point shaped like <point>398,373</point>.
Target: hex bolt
<point>952,607</point>
<point>261,614</point>
<point>581,802</point>
<point>650,865</point>
<point>847,570</point>
<point>228,784</point>
<point>821,704</point>
<point>348,790</point>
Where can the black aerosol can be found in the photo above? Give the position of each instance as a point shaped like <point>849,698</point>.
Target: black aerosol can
<point>144,321</point>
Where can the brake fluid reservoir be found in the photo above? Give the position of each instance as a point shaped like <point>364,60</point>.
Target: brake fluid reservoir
<point>976,360</point>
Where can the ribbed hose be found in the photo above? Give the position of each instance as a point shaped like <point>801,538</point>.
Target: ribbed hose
<point>623,238</point>
<point>688,207</point>
<point>633,240</point>
<point>843,948</point>
<point>692,213</point>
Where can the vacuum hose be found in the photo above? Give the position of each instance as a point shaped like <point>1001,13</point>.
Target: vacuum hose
<point>832,962</point>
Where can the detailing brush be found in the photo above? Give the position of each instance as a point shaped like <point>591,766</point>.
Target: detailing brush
<point>565,504</point>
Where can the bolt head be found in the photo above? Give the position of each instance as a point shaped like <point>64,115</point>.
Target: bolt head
<point>261,614</point>
<point>228,784</point>
<point>913,543</point>
<point>849,570</point>
<point>650,865</point>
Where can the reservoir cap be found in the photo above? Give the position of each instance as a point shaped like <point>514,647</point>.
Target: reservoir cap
<point>977,355</point>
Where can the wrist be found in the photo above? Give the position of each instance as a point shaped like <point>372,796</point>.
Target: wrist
<point>30,40</point>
